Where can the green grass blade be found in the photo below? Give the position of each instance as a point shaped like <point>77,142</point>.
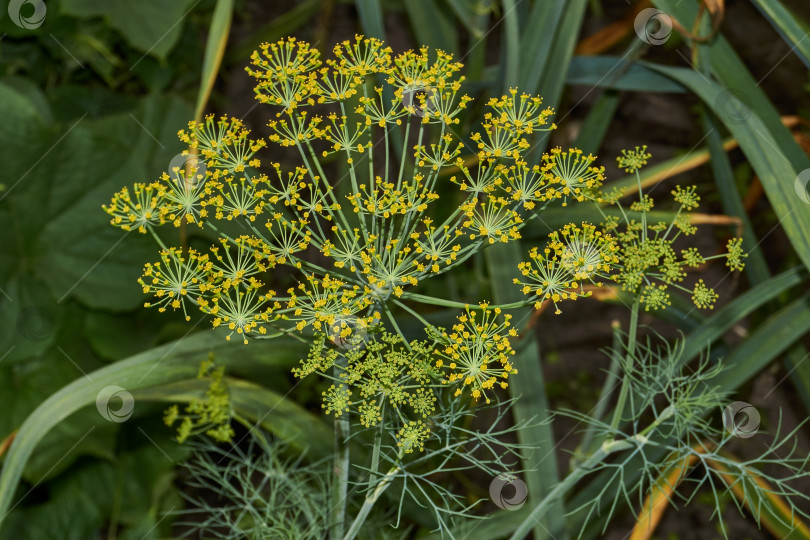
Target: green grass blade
<point>470,12</point>
<point>724,318</point>
<point>755,266</point>
<point>596,124</point>
<point>214,51</point>
<point>727,67</point>
<point>278,27</point>
<point>766,343</point>
<point>535,44</point>
<point>511,50</point>
<point>598,71</point>
<point>793,30</point>
<point>371,18</point>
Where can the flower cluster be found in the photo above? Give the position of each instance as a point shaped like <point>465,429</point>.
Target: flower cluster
<point>391,118</point>
<point>627,249</point>
<point>210,415</point>
<point>477,353</point>
<point>354,246</point>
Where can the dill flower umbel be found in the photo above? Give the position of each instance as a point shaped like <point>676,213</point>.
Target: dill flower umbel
<point>477,353</point>
<point>331,257</point>
<point>627,249</point>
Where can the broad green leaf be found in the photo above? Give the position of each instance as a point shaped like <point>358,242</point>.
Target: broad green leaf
<point>62,174</point>
<point>82,499</point>
<point>171,362</point>
<point>151,26</point>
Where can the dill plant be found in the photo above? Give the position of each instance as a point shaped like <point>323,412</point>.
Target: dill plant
<point>361,243</point>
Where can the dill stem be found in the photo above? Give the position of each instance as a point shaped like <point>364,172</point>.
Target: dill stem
<point>341,468</point>
<point>370,501</point>
<point>628,364</point>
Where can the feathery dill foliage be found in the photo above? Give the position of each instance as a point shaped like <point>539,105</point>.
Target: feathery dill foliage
<point>668,425</point>
<point>253,492</point>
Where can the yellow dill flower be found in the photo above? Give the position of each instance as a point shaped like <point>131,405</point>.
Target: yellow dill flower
<point>572,175</point>
<point>175,280</point>
<point>139,210</point>
<point>477,353</point>
<point>574,255</point>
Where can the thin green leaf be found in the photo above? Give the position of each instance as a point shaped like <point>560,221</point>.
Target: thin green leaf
<point>371,18</point>
<point>214,50</point>
<point>794,31</point>
<point>596,71</point>
<point>730,70</point>
<point>283,25</point>
<point>432,25</point>
<point>769,340</point>
<point>723,319</point>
